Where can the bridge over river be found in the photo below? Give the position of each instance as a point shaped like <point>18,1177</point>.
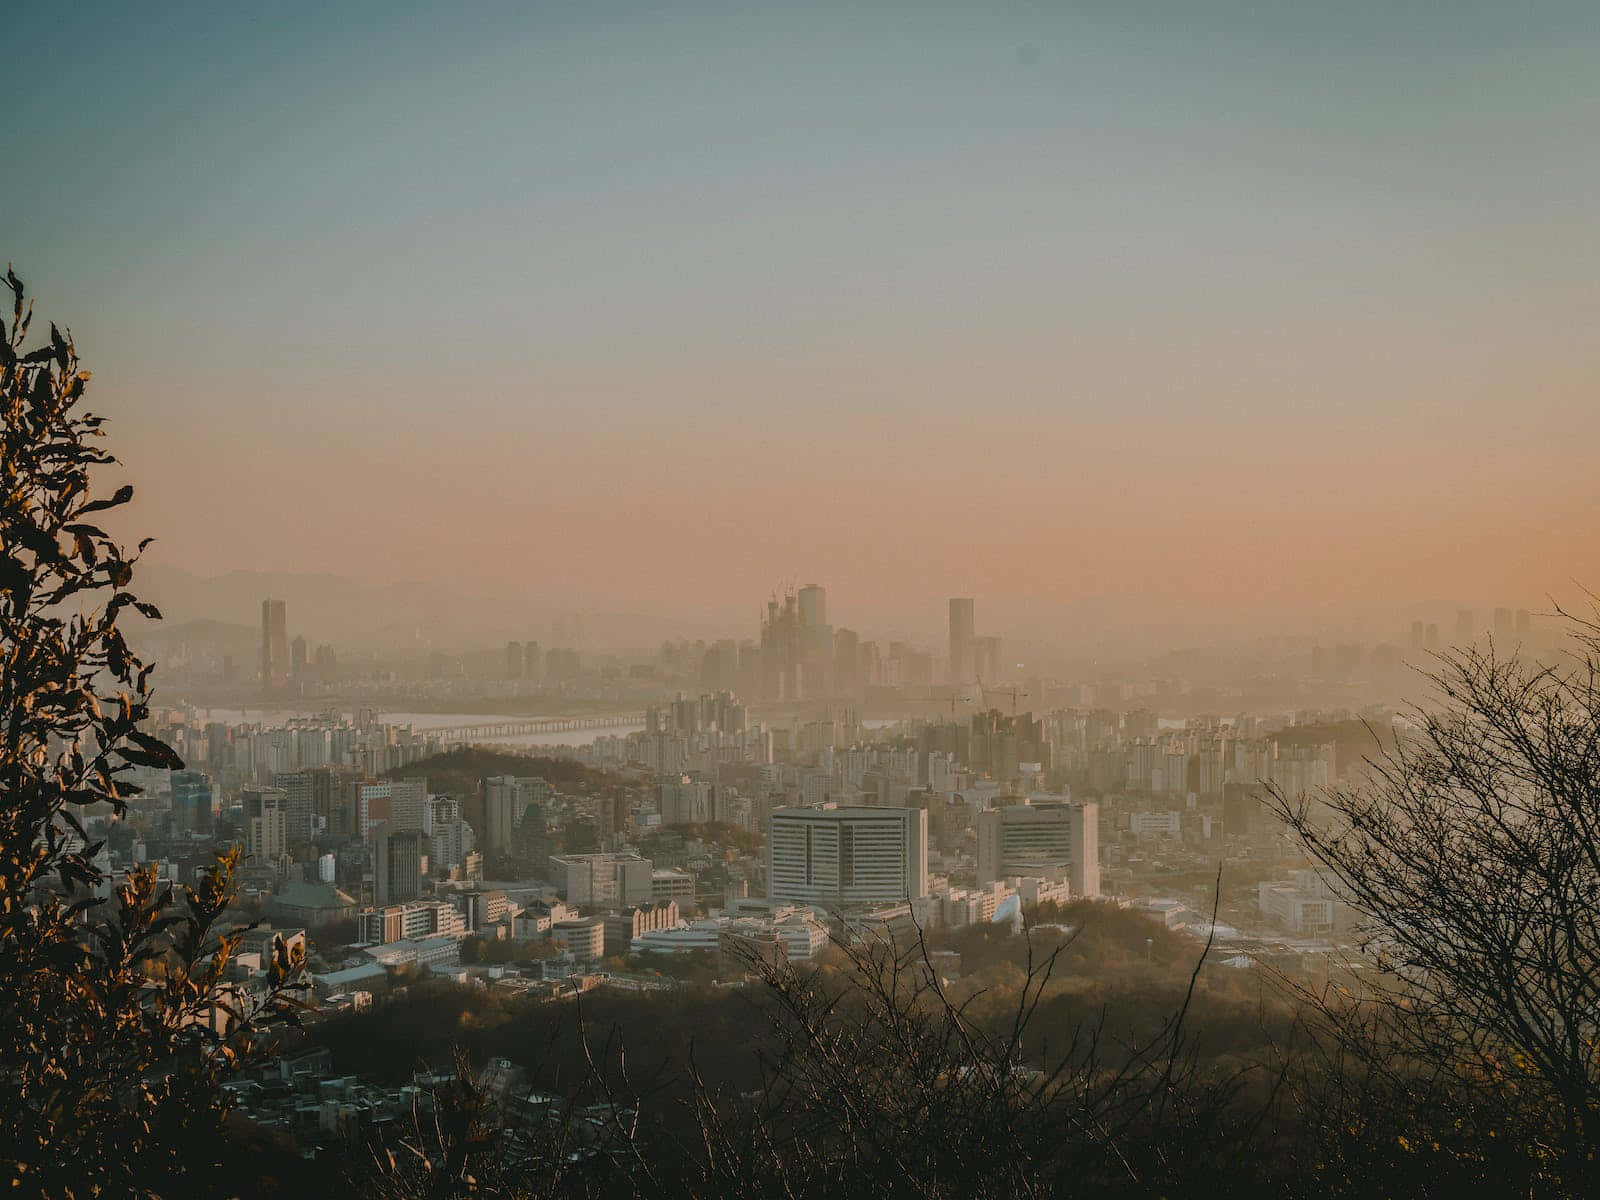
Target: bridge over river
<point>513,727</point>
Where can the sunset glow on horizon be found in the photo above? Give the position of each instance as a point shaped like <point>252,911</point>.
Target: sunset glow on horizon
<point>1129,327</point>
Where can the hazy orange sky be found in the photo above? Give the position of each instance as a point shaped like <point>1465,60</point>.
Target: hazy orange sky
<point>1151,318</point>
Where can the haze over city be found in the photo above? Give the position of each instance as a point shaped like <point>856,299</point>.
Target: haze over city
<point>1137,320</point>
<point>737,601</point>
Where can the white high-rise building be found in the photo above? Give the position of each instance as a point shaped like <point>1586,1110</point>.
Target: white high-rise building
<point>400,802</point>
<point>1044,838</point>
<point>268,828</point>
<point>450,843</point>
<point>502,808</point>
<point>842,857</point>
<point>266,810</point>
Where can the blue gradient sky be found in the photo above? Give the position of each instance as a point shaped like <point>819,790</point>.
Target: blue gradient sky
<point>1144,316</point>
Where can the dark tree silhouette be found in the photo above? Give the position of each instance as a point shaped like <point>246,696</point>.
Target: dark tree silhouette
<point>116,1023</point>
<point>1472,853</point>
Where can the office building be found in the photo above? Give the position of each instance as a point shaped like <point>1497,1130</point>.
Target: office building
<point>847,857</point>
<point>401,803</point>
<point>507,801</point>
<point>622,927</point>
<point>397,864</point>
<point>582,937</point>
<point>266,820</point>
<point>191,802</point>
<point>1048,839</point>
<point>274,643</point>
<point>450,837</point>
<point>601,880</point>
<point>686,801</point>
<point>297,787</point>
<point>963,632</point>
<point>796,930</point>
<point>484,908</point>
<point>671,883</point>
<point>1502,625</point>
<point>420,919</point>
<point>501,806</point>
<point>988,659</point>
<point>1305,903</point>
<point>782,653</point>
<point>813,606</point>
<point>847,680</point>
<point>408,804</point>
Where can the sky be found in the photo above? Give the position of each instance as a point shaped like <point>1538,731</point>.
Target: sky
<point>1151,319</point>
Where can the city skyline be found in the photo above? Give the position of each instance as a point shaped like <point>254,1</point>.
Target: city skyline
<point>732,600</point>
<point>1433,626</point>
<point>1253,312</point>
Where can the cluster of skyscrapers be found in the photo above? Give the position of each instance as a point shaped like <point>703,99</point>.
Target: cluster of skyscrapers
<point>801,656</point>
<point>282,660</point>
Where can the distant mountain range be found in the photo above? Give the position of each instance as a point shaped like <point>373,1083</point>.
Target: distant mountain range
<point>355,615</point>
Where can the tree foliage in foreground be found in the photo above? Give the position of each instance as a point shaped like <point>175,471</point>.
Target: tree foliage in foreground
<point>1472,852</point>
<point>116,1020</point>
<point>872,1078</point>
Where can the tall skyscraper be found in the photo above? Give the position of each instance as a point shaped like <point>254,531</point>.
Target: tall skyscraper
<point>816,643</point>
<point>502,807</point>
<point>274,643</point>
<point>847,663</point>
<point>298,804</point>
<point>448,835</point>
<point>1502,624</point>
<point>963,632</point>
<point>782,650</point>
<point>987,660</point>
<point>514,661</point>
<point>719,668</point>
<point>266,812</point>
<point>1463,626</point>
<point>326,663</point>
<point>408,802</point>
<point>191,801</point>
<point>397,864</point>
<point>813,606</point>
<point>297,657</point>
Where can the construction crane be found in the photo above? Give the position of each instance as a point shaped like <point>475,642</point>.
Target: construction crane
<point>954,699</point>
<point>1011,691</point>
